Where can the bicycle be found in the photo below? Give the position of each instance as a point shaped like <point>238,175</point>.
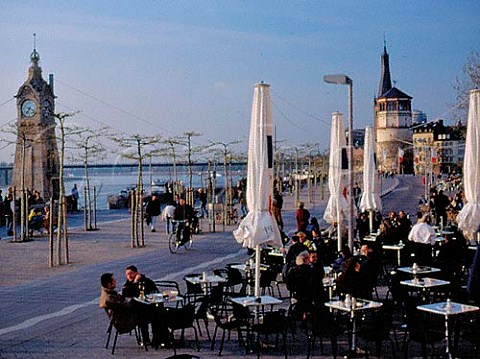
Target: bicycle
<point>176,238</point>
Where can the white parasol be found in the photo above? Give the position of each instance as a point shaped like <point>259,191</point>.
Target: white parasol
<point>259,225</point>
<point>370,200</point>
<point>337,203</point>
<point>469,217</point>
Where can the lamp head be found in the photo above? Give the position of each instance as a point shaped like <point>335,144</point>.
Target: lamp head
<point>339,79</point>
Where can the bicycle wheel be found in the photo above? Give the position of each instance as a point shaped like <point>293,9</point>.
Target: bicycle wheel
<point>173,243</point>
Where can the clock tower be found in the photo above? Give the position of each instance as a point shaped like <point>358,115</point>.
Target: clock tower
<point>36,153</point>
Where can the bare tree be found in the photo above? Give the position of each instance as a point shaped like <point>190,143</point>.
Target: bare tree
<point>171,144</point>
<point>187,142</point>
<point>227,190</point>
<point>62,227</point>
<point>90,148</point>
<point>138,148</point>
<point>470,79</point>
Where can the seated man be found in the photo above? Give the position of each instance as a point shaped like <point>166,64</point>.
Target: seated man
<point>137,282</point>
<point>133,286</point>
<point>183,212</point>
<point>422,239</point>
<point>300,282</point>
<point>318,272</point>
<point>370,268</point>
<point>118,308</point>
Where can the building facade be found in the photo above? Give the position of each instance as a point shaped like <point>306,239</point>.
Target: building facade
<point>36,154</point>
<point>437,148</point>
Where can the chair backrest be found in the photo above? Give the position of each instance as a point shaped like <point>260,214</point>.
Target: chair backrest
<point>201,307</point>
<point>267,277</point>
<point>180,318</point>
<point>234,276</point>
<point>167,285</point>
<point>378,323</point>
<point>241,314</point>
<point>124,322</point>
<point>274,322</point>
<point>221,272</point>
<point>191,287</point>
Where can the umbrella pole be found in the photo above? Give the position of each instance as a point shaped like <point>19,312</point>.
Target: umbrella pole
<point>257,271</point>
<point>339,228</point>
<point>370,217</point>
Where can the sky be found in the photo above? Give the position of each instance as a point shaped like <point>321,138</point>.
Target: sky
<point>169,67</point>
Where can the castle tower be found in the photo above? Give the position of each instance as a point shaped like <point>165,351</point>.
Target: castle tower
<point>36,154</point>
<point>393,119</point>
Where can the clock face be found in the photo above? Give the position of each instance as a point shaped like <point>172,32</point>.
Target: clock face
<point>28,108</point>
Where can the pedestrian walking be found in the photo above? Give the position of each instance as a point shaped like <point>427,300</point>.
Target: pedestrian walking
<point>153,211</point>
<point>167,216</point>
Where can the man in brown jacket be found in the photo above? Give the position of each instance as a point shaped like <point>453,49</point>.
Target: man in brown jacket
<point>118,308</point>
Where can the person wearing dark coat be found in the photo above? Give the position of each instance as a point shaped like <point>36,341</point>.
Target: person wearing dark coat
<point>473,283</point>
<point>295,249</point>
<point>136,282</point>
<point>153,211</point>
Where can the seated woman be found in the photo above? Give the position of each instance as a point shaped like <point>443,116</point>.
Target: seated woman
<point>35,220</point>
<point>348,282</point>
<point>338,264</point>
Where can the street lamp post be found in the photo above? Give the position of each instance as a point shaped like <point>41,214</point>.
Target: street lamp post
<point>345,80</point>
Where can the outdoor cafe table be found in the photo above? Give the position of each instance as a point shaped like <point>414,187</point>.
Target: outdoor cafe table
<point>256,302</point>
<point>160,298</point>
<point>418,270</point>
<point>243,267</point>
<point>425,284</point>
<point>206,281</point>
<point>352,308</point>
<point>251,301</point>
<point>370,238</point>
<point>448,309</point>
<point>395,247</point>
<point>275,254</point>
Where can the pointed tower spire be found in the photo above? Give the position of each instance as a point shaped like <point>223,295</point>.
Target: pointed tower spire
<point>35,56</point>
<point>385,79</point>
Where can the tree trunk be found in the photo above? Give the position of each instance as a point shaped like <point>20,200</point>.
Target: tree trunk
<point>50,234</point>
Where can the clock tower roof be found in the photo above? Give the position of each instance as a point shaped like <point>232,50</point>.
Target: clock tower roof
<point>385,78</point>
<point>35,79</point>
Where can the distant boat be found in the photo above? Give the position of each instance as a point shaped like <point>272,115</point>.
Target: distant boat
<point>302,176</point>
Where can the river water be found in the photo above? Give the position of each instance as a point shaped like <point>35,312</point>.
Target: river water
<point>112,180</point>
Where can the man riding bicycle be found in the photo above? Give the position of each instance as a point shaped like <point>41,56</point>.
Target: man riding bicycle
<point>184,213</point>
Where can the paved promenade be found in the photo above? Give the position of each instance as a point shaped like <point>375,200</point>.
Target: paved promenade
<point>53,312</point>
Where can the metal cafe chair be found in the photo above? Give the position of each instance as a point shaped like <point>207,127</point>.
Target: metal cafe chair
<point>120,328</point>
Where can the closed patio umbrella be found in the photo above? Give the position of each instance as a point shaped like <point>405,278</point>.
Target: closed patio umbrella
<point>337,203</point>
<point>259,226</point>
<point>469,217</point>
<point>370,200</point>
